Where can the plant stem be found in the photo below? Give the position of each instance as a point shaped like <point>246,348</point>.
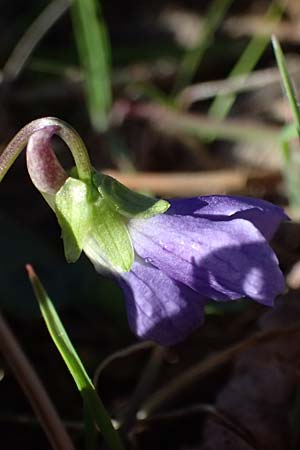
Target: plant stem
<point>64,131</point>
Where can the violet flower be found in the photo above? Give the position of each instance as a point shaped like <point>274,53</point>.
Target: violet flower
<point>169,257</point>
<point>212,247</point>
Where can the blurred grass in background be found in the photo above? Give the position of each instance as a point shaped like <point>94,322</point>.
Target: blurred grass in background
<point>95,56</point>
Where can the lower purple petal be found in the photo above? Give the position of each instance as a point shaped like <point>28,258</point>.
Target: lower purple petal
<point>159,308</point>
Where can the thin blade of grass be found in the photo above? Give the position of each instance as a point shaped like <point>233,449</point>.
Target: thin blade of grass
<point>32,36</point>
<point>84,384</point>
<point>192,58</point>
<point>246,63</point>
<point>287,82</point>
<point>291,162</point>
<point>290,175</point>
<point>94,53</point>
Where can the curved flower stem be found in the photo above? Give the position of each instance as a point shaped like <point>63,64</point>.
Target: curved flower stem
<point>123,353</point>
<point>144,386</point>
<point>64,131</point>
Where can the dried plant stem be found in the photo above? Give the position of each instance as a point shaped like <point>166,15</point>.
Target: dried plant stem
<point>196,372</point>
<point>240,83</point>
<point>33,389</point>
<point>202,408</point>
<point>229,181</point>
<point>144,386</point>
<point>31,420</point>
<point>120,354</point>
<point>174,123</point>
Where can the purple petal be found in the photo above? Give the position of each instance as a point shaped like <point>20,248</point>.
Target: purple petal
<point>159,308</point>
<point>221,260</point>
<point>264,215</point>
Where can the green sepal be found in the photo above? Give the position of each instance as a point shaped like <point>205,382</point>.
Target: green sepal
<point>127,202</point>
<point>73,211</point>
<point>112,236</point>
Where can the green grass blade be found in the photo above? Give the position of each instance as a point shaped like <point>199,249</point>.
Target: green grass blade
<point>84,384</point>
<point>94,53</point>
<point>192,58</point>
<point>290,174</point>
<point>91,431</point>
<point>246,63</point>
<point>287,82</point>
<point>291,161</point>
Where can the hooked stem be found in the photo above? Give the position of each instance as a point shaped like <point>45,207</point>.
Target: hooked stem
<point>64,131</point>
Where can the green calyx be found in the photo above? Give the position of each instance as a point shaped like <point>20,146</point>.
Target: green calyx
<point>112,236</point>
<point>127,202</point>
<point>73,210</point>
<point>101,209</point>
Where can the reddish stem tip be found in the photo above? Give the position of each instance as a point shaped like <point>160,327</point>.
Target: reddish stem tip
<point>30,271</point>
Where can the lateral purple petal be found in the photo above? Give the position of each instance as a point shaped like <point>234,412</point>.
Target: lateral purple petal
<point>264,215</point>
<point>159,308</point>
<point>222,260</point>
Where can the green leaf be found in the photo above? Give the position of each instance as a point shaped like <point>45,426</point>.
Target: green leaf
<point>112,236</point>
<point>127,202</point>
<point>72,207</point>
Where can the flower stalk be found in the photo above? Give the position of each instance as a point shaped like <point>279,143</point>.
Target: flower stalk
<point>63,130</point>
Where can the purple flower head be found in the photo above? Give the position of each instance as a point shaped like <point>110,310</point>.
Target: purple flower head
<point>169,257</point>
<point>213,247</point>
